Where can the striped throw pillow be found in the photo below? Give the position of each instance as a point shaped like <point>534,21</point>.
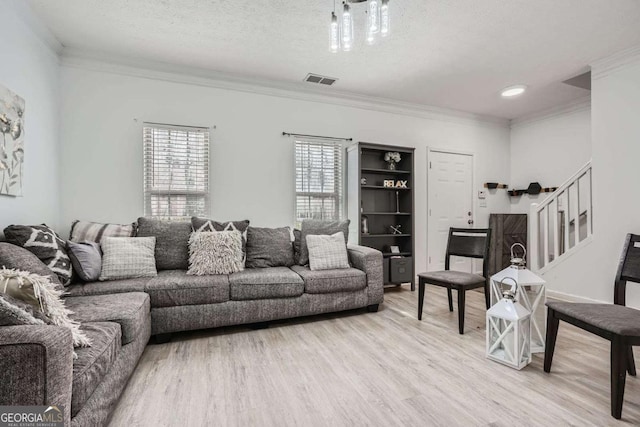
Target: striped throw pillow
<point>82,231</point>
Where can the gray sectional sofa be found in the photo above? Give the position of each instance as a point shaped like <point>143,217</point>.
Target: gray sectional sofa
<point>120,316</point>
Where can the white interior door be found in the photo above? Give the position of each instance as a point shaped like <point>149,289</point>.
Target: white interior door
<point>450,199</point>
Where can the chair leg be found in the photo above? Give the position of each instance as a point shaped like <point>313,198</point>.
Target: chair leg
<point>450,296</point>
<point>461,311</point>
<point>631,364</point>
<point>619,354</point>
<point>487,295</point>
<point>420,299</point>
<point>550,341</point>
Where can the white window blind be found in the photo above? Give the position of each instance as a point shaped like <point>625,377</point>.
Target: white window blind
<point>318,180</point>
<point>176,171</point>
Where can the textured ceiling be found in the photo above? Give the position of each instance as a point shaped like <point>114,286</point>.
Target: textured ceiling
<point>446,53</point>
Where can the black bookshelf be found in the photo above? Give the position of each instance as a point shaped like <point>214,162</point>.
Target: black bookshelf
<point>382,206</point>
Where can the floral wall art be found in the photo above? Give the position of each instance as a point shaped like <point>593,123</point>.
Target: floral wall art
<point>11,142</point>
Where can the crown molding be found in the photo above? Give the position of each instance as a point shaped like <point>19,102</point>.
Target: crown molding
<point>610,64</point>
<point>95,61</point>
<point>580,104</point>
<point>25,14</point>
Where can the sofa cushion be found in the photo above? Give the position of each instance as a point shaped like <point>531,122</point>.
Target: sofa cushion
<point>329,281</point>
<point>94,362</point>
<point>261,283</point>
<point>175,287</point>
<point>172,241</point>
<point>18,258</point>
<point>129,310</point>
<point>108,287</point>
<point>269,247</point>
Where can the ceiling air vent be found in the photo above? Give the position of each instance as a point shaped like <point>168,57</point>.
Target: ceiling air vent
<point>322,80</point>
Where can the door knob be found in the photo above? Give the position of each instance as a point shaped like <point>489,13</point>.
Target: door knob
<point>470,222</point>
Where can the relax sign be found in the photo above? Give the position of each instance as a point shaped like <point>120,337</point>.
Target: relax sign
<point>390,183</point>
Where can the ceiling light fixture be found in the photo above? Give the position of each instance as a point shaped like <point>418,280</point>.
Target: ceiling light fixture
<point>512,91</point>
<point>341,31</point>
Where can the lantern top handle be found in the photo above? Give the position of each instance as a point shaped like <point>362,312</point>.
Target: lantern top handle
<point>511,293</point>
<point>518,262</point>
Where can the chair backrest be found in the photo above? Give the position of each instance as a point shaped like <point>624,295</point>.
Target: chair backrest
<point>628,268</point>
<point>470,243</point>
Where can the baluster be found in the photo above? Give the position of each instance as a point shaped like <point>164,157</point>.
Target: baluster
<point>556,229</point>
<point>576,221</point>
<point>546,234</point>
<point>589,195</point>
<point>566,216</point>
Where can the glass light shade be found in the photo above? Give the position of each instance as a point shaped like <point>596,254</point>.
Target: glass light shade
<point>374,16</point>
<point>384,18</point>
<point>347,28</point>
<point>334,34</point>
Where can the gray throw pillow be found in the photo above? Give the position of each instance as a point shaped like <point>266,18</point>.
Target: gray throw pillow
<point>269,247</point>
<point>215,252</point>
<point>172,241</point>
<point>316,227</point>
<point>18,258</point>
<point>86,258</point>
<point>327,252</point>
<point>44,243</point>
<point>128,258</point>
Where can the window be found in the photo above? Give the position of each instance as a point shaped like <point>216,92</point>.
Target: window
<point>176,171</point>
<point>318,180</point>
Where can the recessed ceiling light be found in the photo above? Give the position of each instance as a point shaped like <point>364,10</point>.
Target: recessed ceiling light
<point>511,91</point>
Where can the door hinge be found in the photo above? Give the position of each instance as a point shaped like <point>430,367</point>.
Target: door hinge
<point>429,165</point>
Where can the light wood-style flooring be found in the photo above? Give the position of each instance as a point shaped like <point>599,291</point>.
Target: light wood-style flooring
<point>376,369</point>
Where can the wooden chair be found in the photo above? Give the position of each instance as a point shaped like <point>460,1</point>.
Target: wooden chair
<point>614,322</point>
<point>464,242</point>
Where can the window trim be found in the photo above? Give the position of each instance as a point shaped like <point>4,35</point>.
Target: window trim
<point>148,164</point>
<point>339,148</point>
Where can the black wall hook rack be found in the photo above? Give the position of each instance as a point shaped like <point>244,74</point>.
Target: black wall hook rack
<point>494,185</point>
<point>533,189</point>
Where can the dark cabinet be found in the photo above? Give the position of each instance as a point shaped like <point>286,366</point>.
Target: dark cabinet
<point>380,205</point>
<point>506,229</point>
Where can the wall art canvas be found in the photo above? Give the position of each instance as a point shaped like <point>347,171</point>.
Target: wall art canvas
<point>11,142</point>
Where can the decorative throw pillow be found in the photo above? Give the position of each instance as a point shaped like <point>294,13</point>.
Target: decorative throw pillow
<point>297,245</point>
<point>327,252</point>
<point>16,257</point>
<point>94,231</point>
<point>86,259</point>
<point>215,252</point>
<point>42,295</point>
<point>128,257</point>
<point>269,247</point>
<point>14,312</point>
<point>172,241</point>
<point>44,243</point>
<point>316,227</point>
<point>203,224</point>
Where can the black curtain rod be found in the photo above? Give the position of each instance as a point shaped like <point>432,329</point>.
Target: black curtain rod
<point>316,136</point>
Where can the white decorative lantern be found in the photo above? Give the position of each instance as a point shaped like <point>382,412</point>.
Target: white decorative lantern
<point>509,330</point>
<point>532,295</point>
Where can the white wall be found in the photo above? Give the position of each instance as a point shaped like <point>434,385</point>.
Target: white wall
<point>30,68</point>
<point>616,198</point>
<point>251,162</point>
<point>548,150</point>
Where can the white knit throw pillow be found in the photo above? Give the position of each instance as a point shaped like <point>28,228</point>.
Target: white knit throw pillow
<point>51,305</point>
<point>215,252</point>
